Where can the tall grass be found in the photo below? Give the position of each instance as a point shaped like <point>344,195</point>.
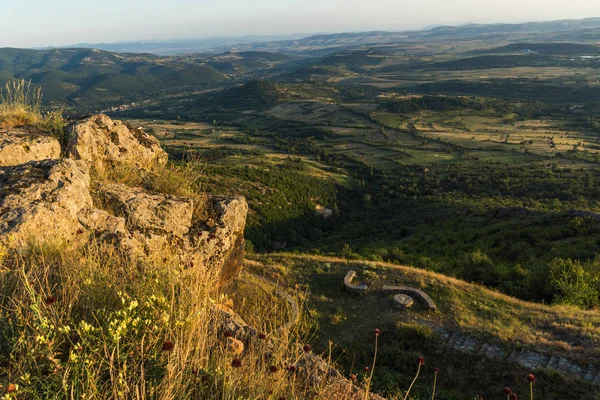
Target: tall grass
<point>20,104</point>
<point>89,324</point>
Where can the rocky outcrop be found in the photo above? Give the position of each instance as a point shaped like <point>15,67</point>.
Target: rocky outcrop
<point>149,211</point>
<point>51,199</point>
<point>42,199</point>
<point>21,145</point>
<point>102,142</point>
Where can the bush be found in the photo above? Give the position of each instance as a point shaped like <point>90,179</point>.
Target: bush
<point>572,284</point>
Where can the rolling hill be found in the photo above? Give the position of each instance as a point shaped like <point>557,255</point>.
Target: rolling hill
<point>91,78</point>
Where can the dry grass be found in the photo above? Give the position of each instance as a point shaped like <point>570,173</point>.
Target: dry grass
<point>471,308</point>
<point>19,104</point>
<point>89,324</point>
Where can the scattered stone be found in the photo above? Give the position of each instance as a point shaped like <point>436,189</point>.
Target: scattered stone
<point>235,346</point>
<point>470,345</point>
<point>402,301</point>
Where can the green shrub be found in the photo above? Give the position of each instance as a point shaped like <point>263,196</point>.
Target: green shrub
<point>572,284</point>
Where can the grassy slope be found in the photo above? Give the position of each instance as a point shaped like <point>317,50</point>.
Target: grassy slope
<point>348,320</point>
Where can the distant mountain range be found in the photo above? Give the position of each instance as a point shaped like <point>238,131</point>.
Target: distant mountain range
<point>183,46</point>
<point>571,30</point>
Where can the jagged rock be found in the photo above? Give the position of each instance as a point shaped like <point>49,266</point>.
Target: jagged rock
<point>224,241</point>
<point>21,145</point>
<point>102,142</point>
<point>42,199</point>
<point>149,211</point>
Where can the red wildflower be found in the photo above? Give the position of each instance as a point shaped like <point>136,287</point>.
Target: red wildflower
<point>11,388</point>
<point>531,378</point>
<point>367,369</point>
<point>421,361</point>
<point>273,368</point>
<point>514,396</point>
<point>168,346</point>
<point>377,332</point>
<point>236,363</point>
<point>507,391</point>
<point>353,377</point>
<point>50,300</point>
<point>262,336</point>
<point>306,348</point>
<point>436,370</point>
<point>291,368</point>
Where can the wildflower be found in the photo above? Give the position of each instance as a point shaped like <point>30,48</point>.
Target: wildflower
<point>11,388</point>
<point>421,361</point>
<point>228,334</point>
<point>514,396</point>
<point>291,369</point>
<point>273,369</point>
<point>262,336</point>
<point>50,300</point>
<point>367,369</point>
<point>168,346</point>
<point>377,332</point>
<point>507,391</point>
<point>436,370</point>
<point>531,379</point>
<point>236,363</point>
<point>353,377</point>
<point>306,348</point>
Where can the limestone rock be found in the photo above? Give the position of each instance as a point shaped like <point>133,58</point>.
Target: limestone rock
<point>224,243</point>
<point>149,211</point>
<point>21,145</point>
<point>102,142</point>
<point>41,200</point>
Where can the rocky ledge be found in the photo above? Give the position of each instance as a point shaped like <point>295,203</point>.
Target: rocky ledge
<point>44,197</point>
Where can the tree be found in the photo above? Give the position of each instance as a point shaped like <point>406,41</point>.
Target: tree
<point>572,284</point>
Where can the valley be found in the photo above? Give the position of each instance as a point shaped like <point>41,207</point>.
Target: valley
<point>463,161</point>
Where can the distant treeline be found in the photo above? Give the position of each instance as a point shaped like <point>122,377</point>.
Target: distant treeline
<point>454,103</point>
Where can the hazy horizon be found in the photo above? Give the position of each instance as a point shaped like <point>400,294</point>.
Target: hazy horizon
<point>67,22</point>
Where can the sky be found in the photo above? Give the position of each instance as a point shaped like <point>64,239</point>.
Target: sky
<point>40,23</point>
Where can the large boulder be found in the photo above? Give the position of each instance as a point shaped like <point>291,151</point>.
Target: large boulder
<point>21,145</point>
<point>41,200</point>
<point>102,142</point>
<point>145,211</point>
